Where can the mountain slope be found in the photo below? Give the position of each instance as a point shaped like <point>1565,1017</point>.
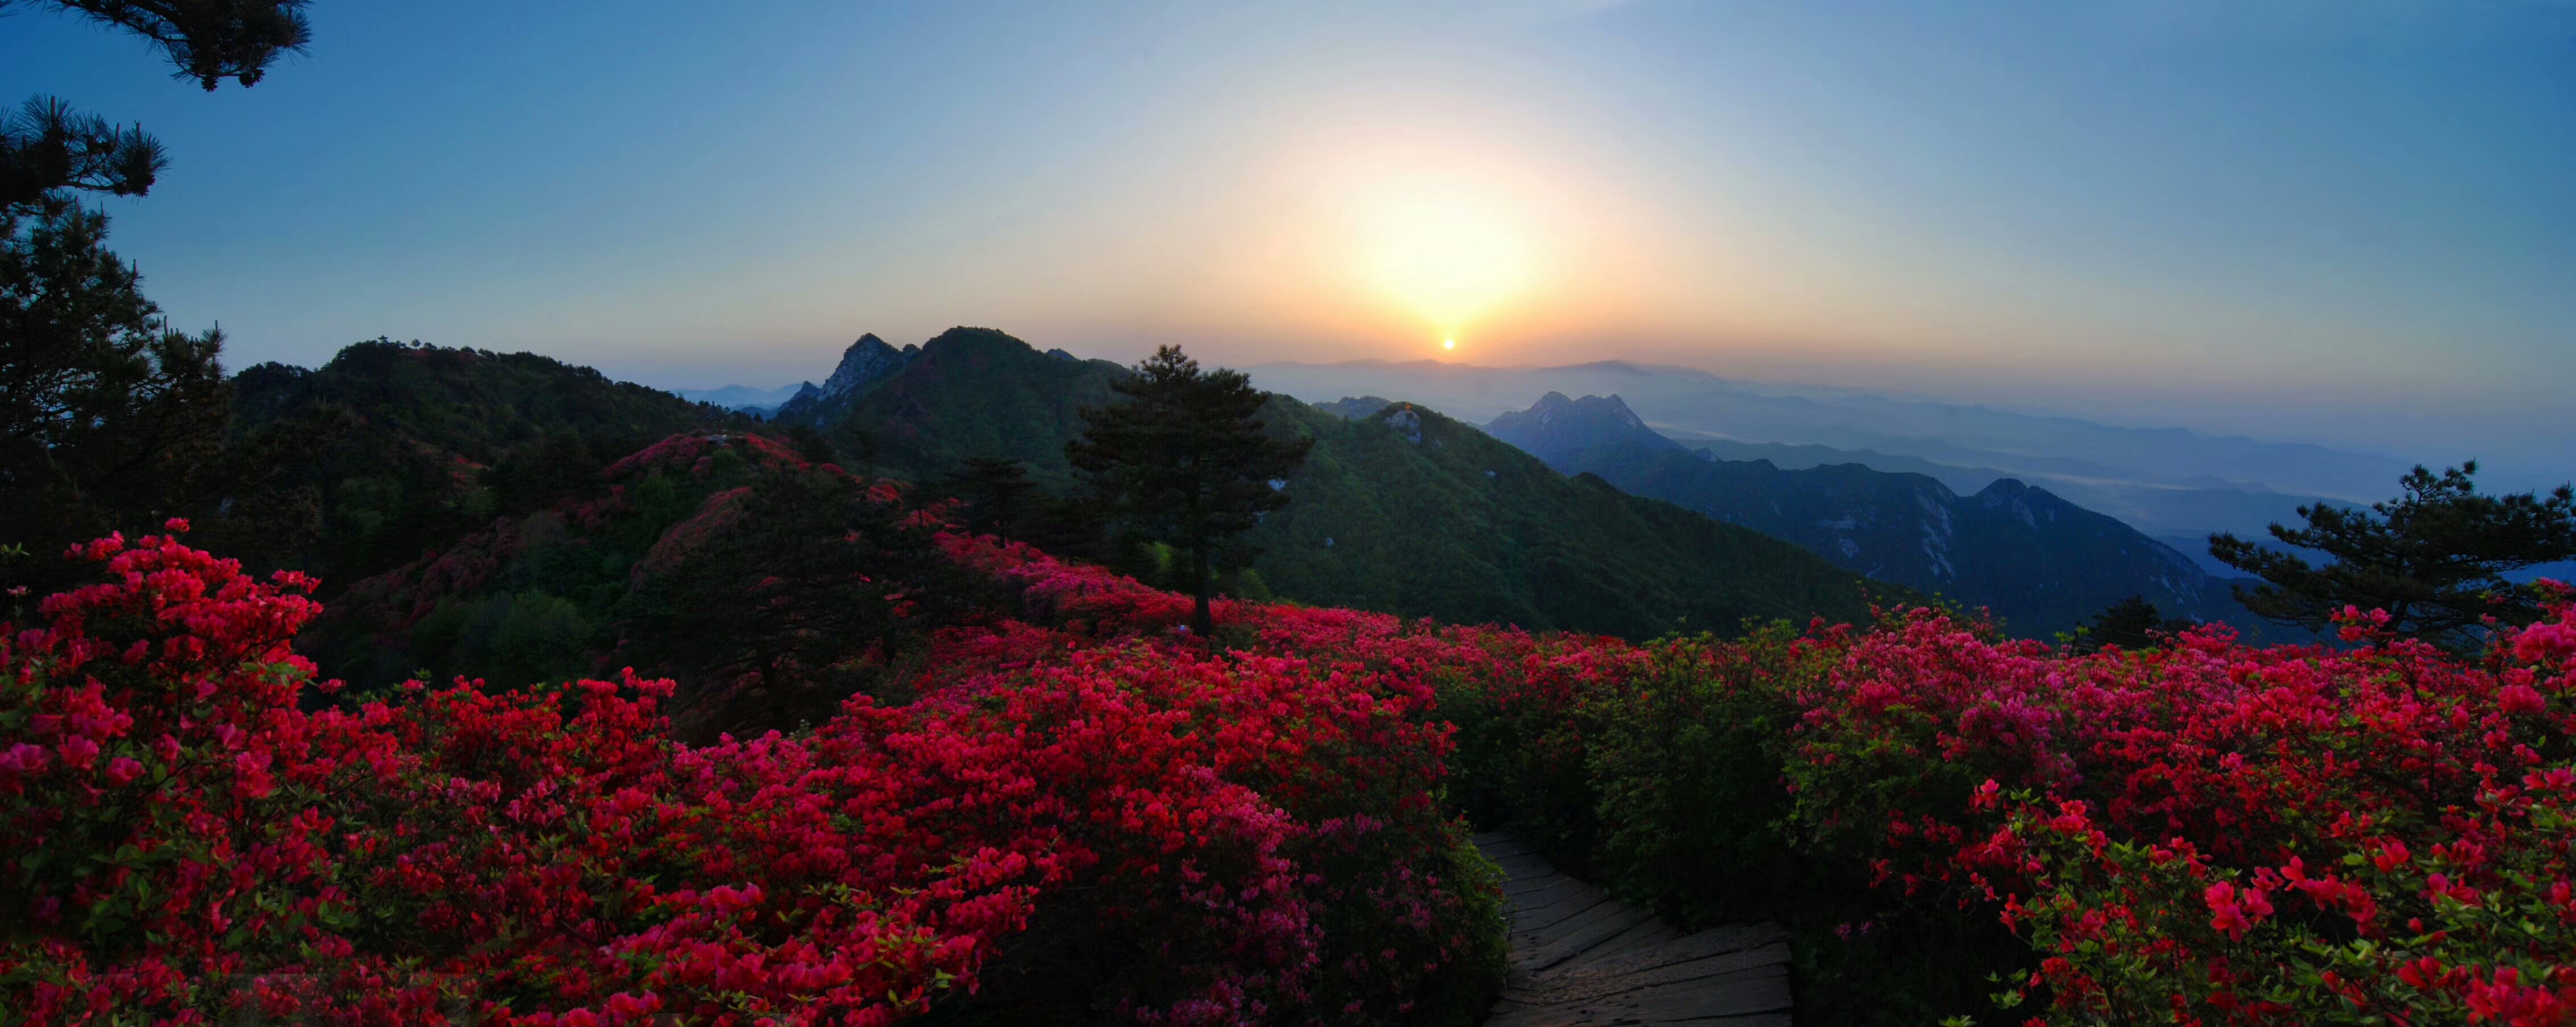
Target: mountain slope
<point>1405,511</point>
<point>390,450</point>
<point>1413,512</point>
<point>2040,562</point>
<point>968,392</point>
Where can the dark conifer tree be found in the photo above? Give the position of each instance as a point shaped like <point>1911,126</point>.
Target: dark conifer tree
<point>2131,623</point>
<point>49,147</point>
<point>1186,461</point>
<point>997,494</point>
<point>104,410</point>
<point>2434,558</point>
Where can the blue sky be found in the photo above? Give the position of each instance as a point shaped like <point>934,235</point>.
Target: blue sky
<point>2341,221</point>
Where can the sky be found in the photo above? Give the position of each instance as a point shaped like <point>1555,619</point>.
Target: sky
<point>2346,221</point>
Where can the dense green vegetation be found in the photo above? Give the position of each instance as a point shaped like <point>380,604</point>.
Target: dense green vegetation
<point>1415,513</point>
<point>393,450</point>
<point>768,589</point>
<point>972,392</point>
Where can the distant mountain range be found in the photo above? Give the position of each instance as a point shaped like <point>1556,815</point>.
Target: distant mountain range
<point>745,398</point>
<point>2039,561</point>
<point>1397,508</point>
<point>1686,401</point>
<point>2174,485</point>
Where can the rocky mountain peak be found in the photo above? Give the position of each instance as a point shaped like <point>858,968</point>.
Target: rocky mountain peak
<point>866,362</point>
<point>1559,424</point>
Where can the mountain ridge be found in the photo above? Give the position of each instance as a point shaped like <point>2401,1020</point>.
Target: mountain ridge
<point>1397,509</point>
<point>2040,562</point>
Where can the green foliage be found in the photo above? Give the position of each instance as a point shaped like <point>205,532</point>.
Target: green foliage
<point>1676,782</point>
<point>776,602</point>
<point>2435,558</point>
<point>1187,460</point>
<point>768,589</point>
<point>1440,521</point>
<point>48,147</point>
<point>976,392</point>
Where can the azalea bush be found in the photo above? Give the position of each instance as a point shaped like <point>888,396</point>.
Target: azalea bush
<point>1070,822</point>
<point>2197,831</point>
<point>1056,804</point>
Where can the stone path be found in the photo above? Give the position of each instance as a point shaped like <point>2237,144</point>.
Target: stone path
<point>1580,957</point>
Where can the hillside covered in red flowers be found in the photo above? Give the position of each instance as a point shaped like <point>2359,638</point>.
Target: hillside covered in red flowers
<point>1031,798</point>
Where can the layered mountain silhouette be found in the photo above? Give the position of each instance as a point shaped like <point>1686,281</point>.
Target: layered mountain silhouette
<point>2040,562</point>
<point>1397,508</point>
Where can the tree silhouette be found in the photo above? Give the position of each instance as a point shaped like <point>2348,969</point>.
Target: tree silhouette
<point>1186,460</point>
<point>2131,623</point>
<point>49,147</point>
<point>105,412</point>
<point>2434,558</point>
<point>997,493</point>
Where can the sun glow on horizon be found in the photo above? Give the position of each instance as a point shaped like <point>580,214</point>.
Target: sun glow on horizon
<point>1419,236</point>
<point>1443,253</point>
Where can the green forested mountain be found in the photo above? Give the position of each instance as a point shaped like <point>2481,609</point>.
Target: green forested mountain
<point>391,450</point>
<point>970,392</point>
<point>1405,511</point>
<point>1416,513</point>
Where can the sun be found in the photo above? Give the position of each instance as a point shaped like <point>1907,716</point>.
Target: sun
<point>1448,344</point>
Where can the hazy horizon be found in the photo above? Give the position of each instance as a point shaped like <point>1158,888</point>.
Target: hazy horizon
<point>2342,223</point>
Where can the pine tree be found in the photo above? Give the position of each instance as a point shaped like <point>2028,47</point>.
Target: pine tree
<point>2435,558</point>
<point>2131,623</point>
<point>105,412</point>
<point>997,494</point>
<point>49,148</point>
<point>1186,461</point>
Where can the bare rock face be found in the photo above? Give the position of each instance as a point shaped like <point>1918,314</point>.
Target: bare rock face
<point>1408,422</point>
<point>867,362</point>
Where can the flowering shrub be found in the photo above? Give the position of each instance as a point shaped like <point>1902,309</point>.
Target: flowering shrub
<point>2374,835</point>
<point>2199,831</point>
<point>1178,835</point>
<point>1063,808</point>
